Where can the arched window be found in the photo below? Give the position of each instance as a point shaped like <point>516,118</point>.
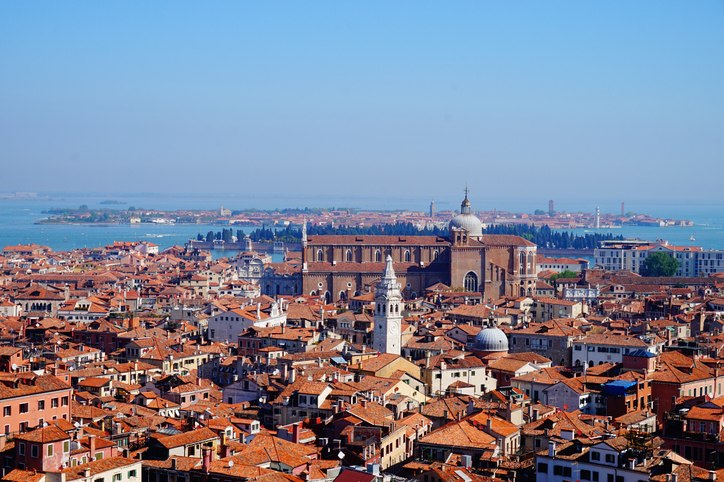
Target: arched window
<point>407,256</point>
<point>348,256</point>
<point>471,282</point>
<point>378,256</point>
<point>435,254</point>
<point>320,255</point>
<point>522,263</point>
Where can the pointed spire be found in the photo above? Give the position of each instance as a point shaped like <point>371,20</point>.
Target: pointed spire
<point>389,270</point>
<point>465,205</point>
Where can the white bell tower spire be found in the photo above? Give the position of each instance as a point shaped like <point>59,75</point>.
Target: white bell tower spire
<point>388,312</point>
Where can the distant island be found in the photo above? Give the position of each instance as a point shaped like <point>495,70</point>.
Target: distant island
<point>112,202</point>
<point>345,216</point>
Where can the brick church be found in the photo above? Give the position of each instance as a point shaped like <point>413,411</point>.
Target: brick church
<point>341,266</point>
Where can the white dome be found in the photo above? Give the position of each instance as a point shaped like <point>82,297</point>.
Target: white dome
<point>466,219</point>
<point>491,339</point>
<point>468,222</point>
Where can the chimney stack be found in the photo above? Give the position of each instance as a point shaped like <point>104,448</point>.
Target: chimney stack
<point>295,432</point>
<point>206,463</point>
<point>551,449</point>
<point>92,446</point>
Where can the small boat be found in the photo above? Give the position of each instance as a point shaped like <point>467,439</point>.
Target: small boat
<point>692,238</point>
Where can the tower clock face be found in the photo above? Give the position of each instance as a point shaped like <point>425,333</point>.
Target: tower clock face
<point>393,326</point>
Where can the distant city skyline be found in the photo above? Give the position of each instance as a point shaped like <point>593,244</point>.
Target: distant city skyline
<point>532,101</point>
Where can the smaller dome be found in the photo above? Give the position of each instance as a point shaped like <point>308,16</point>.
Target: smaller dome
<point>468,222</point>
<point>491,339</point>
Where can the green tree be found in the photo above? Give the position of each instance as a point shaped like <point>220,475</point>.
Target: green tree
<point>659,264</point>
<point>564,274</point>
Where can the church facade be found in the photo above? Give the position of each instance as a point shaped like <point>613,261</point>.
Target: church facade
<point>341,266</point>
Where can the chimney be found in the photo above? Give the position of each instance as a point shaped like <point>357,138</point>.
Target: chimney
<point>489,424</point>
<point>712,475</point>
<point>173,463</point>
<point>92,445</point>
<point>551,449</point>
<point>363,403</point>
<point>206,463</point>
<point>293,375</point>
<point>86,473</point>
<point>535,413</point>
<point>471,407</point>
<point>225,452</point>
<point>295,432</point>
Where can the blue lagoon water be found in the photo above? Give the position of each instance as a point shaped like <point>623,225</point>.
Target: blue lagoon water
<point>18,218</point>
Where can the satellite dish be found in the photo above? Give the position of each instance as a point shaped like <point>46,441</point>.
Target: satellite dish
<point>231,463</point>
<point>340,455</point>
<point>14,367</point>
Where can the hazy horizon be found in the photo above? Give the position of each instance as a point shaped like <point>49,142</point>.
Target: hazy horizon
<point>578,102</point>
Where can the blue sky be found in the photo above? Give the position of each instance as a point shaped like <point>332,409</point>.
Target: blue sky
<point>521,100</point>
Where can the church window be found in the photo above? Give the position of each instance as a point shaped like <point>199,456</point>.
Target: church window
<point>407,256</point>
<point>471,282</point>
<point>348,256</point>
<point>320,255</point>
<point>378,256</point>
<point>522,263</point>
<point>435,254</point>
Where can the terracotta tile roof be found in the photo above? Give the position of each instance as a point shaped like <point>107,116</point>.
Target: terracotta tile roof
<point>51,433</point>
<point>376,240</point>
<point>19,475</point>
<point>187,438</point>
<point>38,384</point>
<point>97,467</point>
<point>462,434</point>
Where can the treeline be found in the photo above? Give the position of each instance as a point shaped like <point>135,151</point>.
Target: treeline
<point>543,236</point>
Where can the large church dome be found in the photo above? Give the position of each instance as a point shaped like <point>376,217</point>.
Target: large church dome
<point>491,339</point>
<point>466,220</point>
